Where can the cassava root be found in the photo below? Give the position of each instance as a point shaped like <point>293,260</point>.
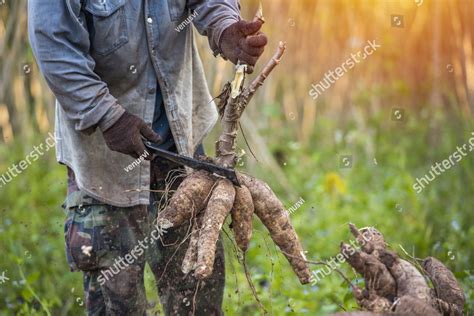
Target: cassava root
<point>276,219</point>
<point>254,196</point>
<point>394,286</point>
<point>188,200</point>
<point>218,207</point>
<point>242,213</point>
<point>206,200</point>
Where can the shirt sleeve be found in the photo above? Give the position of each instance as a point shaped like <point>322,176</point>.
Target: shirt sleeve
<point>213,17</point>
<point>60,43</point>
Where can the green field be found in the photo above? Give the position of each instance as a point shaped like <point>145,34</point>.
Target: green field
<point>379,192</point>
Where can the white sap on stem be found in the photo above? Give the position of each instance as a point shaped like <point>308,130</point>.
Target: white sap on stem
<point>236,85</point>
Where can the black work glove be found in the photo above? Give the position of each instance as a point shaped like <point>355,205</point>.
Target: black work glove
<point>243,41</point>
<point>127,134</point>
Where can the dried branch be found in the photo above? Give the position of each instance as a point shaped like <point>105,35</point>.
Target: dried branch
<point>271,64</point>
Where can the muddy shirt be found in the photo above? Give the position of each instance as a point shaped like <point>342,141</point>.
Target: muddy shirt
<point>102,57</point>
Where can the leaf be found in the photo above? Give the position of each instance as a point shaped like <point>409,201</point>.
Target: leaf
<point>26,295</point>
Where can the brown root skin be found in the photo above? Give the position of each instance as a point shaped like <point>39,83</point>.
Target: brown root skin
<point>190,258</point>
<point>218,207</point>
<point>408,292</point>
<point>378,280</point>
<point>371,301</point>
<point>410,282</point>
<point>369,238</point>
<point>449,309</point>
<point>275,218</point>
<point>242,213</point>
<point>446,286</point>
<point>409,305</point>
<point>188,200</point>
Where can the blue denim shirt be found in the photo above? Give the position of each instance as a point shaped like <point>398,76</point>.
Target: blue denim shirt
<point>160,123</point>
<point>102,57</point>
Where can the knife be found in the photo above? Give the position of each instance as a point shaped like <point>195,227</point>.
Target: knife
<point>193,163</point>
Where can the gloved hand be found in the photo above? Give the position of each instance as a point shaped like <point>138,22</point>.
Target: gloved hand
<point>126,136</point>
<point>243,41</point>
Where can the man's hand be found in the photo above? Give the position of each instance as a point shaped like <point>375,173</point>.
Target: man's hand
<point>243,41</point>
<point>126,136</point>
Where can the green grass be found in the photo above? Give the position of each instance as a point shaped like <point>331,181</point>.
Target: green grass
<point>436,222</point>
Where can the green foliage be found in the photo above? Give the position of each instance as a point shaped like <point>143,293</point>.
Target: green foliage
<point>31,237</point>
<point>436,222</point>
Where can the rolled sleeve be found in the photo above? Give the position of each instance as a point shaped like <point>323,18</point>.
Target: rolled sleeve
<point>60,43</point>
<point>213,17</point>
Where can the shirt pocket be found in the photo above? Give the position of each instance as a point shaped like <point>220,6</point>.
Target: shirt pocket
<point>178,9</point>
<point>107,25</point>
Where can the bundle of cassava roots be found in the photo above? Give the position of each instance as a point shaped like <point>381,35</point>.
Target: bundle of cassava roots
<point>394,286</point>
<point>204,200</point>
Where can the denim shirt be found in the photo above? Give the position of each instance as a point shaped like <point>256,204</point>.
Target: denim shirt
<point>102,57</point>
<point>160,123</point>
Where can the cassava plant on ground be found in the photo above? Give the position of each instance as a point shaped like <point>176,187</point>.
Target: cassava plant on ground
<point>205,200</point>
<point>394,286</point>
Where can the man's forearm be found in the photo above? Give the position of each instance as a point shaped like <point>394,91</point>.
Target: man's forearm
<point>61,46</point>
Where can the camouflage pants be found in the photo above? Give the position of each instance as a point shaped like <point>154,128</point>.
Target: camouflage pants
<point>111,245</point>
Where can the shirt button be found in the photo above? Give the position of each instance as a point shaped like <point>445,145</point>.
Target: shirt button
<point>149,20</point>
<point>151,91</point>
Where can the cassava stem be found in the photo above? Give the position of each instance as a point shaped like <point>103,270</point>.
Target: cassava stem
<point>225,146</point>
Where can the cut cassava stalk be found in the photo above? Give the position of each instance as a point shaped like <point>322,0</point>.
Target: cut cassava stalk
<point>267,206</point>
<point>273,215</point>
<point>232,110</point>
<point>242,213</point>
<point>260,79</point>
<point>218,207</point>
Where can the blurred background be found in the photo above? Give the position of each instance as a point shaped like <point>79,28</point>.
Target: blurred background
<point>392,116</point>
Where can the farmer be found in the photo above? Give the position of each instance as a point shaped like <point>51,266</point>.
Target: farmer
<point>123,71</point>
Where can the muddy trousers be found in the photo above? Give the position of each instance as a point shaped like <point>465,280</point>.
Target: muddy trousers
<point>111,246</point>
